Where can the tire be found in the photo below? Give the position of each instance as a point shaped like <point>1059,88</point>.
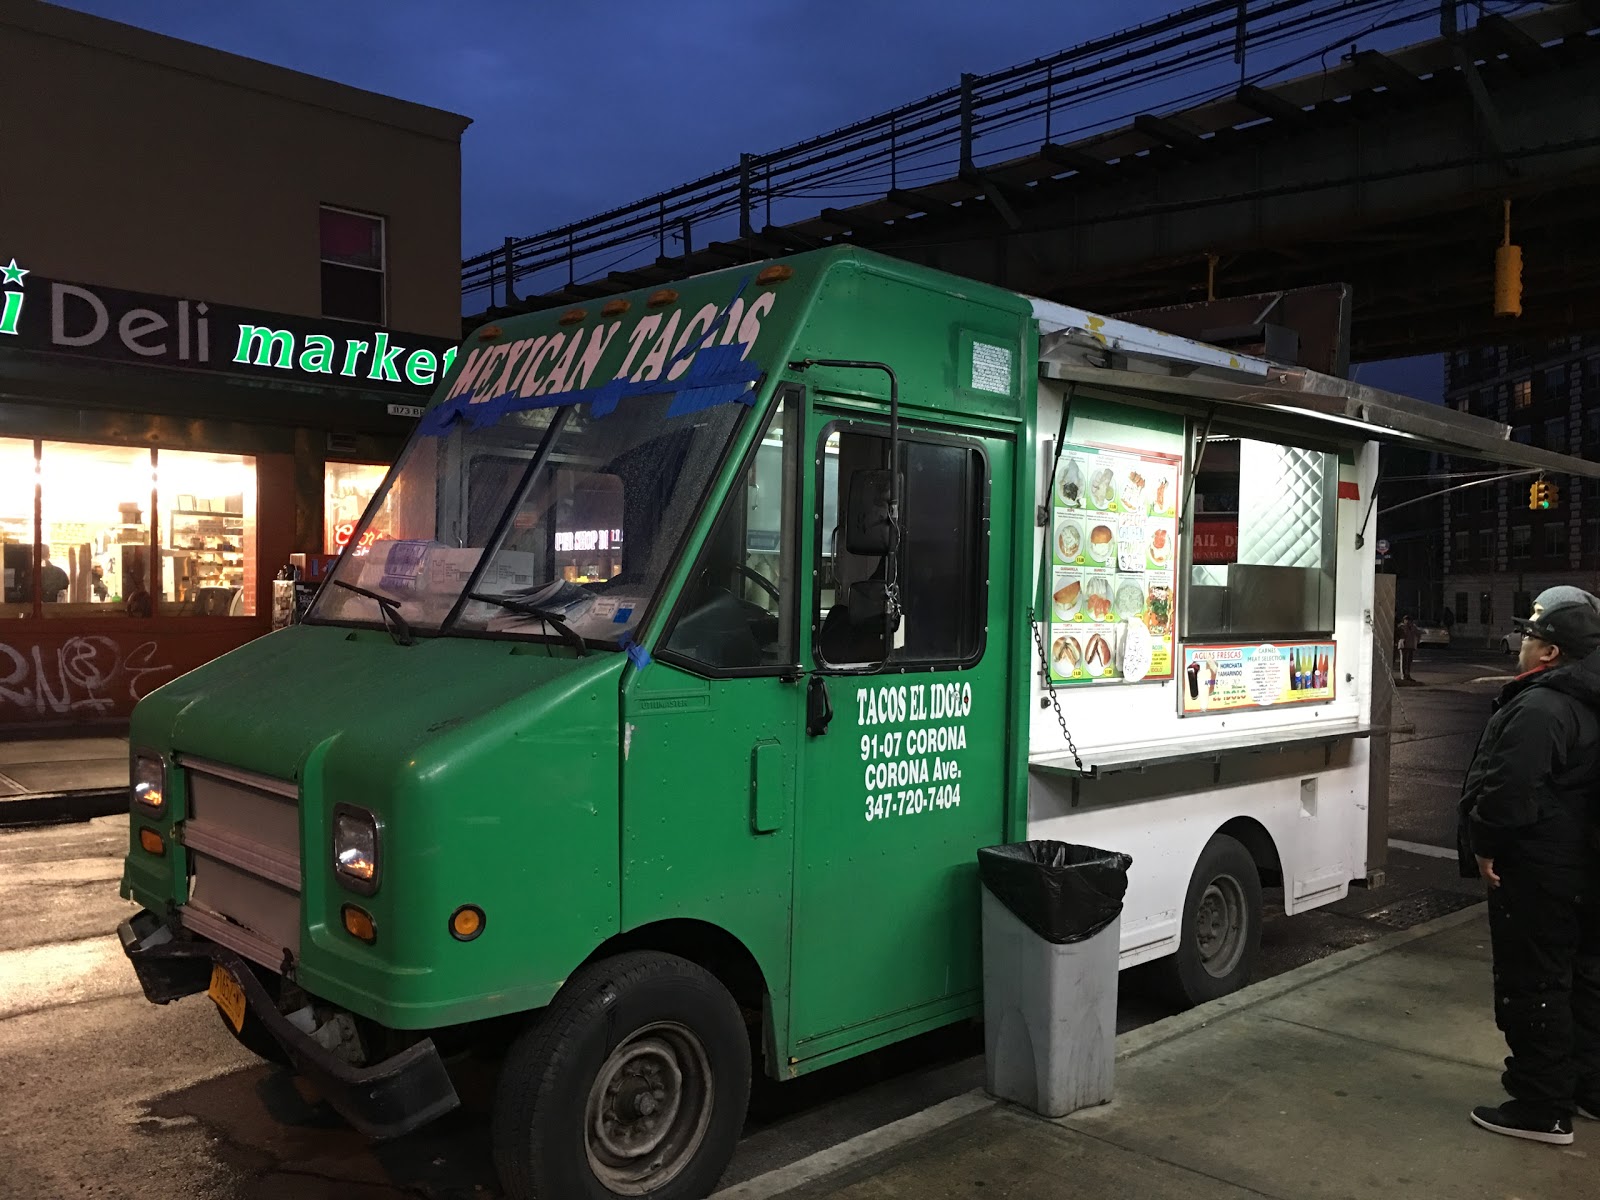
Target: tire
<point>1220,937</point>
<point>640,1018</point>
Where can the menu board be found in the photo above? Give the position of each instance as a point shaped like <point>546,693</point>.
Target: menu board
<point>1222,678</point>
<point>1113,565</point>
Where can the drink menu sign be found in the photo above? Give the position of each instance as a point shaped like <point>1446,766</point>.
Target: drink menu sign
<point>1113,563</point>
<point>1226,678</point>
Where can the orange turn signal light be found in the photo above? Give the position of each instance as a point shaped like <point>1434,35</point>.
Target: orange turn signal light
<point>467,922</point>
<point>358,923</point>
<point>489,332</point>
<point>776,273</point>
<point>615,308</point>
<point>664,296</point>
<point>151,842</point>
<point>574,316</point>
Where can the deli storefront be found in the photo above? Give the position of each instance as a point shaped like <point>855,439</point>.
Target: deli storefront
<point>160,460</point>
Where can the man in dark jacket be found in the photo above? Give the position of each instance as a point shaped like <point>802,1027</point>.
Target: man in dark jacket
<point>1529,809</point>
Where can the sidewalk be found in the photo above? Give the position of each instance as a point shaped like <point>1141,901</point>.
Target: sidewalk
<point>1349,1077</point>
<point>62,779</point>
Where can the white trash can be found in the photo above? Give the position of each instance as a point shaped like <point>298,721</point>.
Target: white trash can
<point>1049,1006</point>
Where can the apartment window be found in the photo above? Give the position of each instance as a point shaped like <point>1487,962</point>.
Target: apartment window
<point>1486,545</point>
<point>1459,545</point>
<point>1591,425</point>
<point>1521,541</point>
<point>1463,357</point>
<point>1522,393</point>
<point>352,266</point>
<point>1555,539</point>
<point>1521,604</point>
<point>1555,381</point>
<point>1485,608</point>
<point>1555,433</point>
<point>1460,612</point>
<point>1591,537</point>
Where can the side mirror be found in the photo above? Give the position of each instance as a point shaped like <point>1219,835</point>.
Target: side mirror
<point>867,527</point>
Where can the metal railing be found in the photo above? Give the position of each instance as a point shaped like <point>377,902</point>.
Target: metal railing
<point>1196,54</point>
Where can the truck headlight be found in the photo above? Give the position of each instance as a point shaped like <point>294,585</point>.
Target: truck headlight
<point>355,848</point>
<point>148,783</point>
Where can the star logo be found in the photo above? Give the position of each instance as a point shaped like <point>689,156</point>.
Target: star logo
<point>13,273</point>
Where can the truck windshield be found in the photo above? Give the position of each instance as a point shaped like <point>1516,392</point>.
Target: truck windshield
<point>549,517</point>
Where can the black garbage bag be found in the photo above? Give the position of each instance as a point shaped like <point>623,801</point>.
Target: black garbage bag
<point>1064,893</point>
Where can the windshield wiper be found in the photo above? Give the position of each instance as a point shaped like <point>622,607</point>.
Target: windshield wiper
<point>390,608</point>
<point>555,620</point>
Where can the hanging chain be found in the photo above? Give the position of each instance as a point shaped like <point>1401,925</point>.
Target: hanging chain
<point>1050,686</point>
<point>1043,521</point>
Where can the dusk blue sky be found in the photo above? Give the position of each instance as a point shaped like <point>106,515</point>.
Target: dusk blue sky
<point>580,106</point>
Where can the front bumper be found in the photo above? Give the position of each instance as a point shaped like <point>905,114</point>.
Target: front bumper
<point>385,1100</point>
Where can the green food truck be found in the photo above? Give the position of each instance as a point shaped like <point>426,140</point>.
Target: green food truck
<point>649,726</point>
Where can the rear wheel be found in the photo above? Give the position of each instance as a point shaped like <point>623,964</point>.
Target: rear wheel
<point>1221,932</point>
<point>633,1083</point>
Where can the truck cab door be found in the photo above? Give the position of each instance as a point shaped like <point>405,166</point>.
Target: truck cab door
<point>910,776</point>
<point>712,726</point>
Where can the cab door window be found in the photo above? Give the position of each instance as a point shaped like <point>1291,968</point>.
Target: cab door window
<point>937,564</point>
<point>737,614</point>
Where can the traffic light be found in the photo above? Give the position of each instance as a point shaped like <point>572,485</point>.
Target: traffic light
<point>1507,273</point>
<point>1542,495</point>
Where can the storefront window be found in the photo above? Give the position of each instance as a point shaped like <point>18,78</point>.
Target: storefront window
<point>16,526</point>
<point>208,524</point>
<point>95,551</point>
<point>346,491</point>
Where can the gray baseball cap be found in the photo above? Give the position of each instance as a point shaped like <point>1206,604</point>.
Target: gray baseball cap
<point>1567,617</point>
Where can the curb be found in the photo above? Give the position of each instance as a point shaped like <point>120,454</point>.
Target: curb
<point>818,1166</point>
<point>53,808</point>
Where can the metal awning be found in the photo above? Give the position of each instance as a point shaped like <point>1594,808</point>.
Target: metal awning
<point>1289,398</point>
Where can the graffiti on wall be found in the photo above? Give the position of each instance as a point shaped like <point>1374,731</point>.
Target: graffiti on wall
<point>85,675</point>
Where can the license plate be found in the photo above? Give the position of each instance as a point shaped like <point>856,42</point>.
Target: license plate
<point>225,990</point>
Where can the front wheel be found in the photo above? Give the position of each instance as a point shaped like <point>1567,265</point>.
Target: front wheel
<point>633,1083</point>
<point>1221,932</point>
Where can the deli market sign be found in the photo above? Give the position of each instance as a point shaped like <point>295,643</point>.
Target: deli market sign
<point>54,316</point>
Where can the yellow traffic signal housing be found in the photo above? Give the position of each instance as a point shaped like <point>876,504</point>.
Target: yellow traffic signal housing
<point>1552,495</point>
<point>1507,274</point>
<point>1542,495</point>
<point>1534,495</point>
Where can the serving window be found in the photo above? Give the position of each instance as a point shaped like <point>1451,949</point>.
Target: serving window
<point>1260,541</point>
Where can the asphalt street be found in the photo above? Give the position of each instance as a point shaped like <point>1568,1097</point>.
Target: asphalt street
<point>108,1096</point>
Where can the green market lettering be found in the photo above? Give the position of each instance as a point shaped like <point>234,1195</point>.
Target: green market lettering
<point>321,355</point>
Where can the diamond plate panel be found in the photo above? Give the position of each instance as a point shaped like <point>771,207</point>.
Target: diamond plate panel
<point>1281,490</point>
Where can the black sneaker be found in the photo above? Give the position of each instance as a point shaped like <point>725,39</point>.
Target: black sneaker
<point>1514,1119</point>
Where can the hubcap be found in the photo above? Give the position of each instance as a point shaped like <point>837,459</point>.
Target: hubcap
<point>1219,926</point>
<point>648,1109</point>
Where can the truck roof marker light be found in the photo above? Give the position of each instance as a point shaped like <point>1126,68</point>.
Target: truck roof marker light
<point>489,332</point>
<point>664,296</point>
<point>358,923</point>
<point>150,841</point>
<point>615,308</point>
<point>467,922</point>
<point>776,273</point>
<point>574,316</point>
